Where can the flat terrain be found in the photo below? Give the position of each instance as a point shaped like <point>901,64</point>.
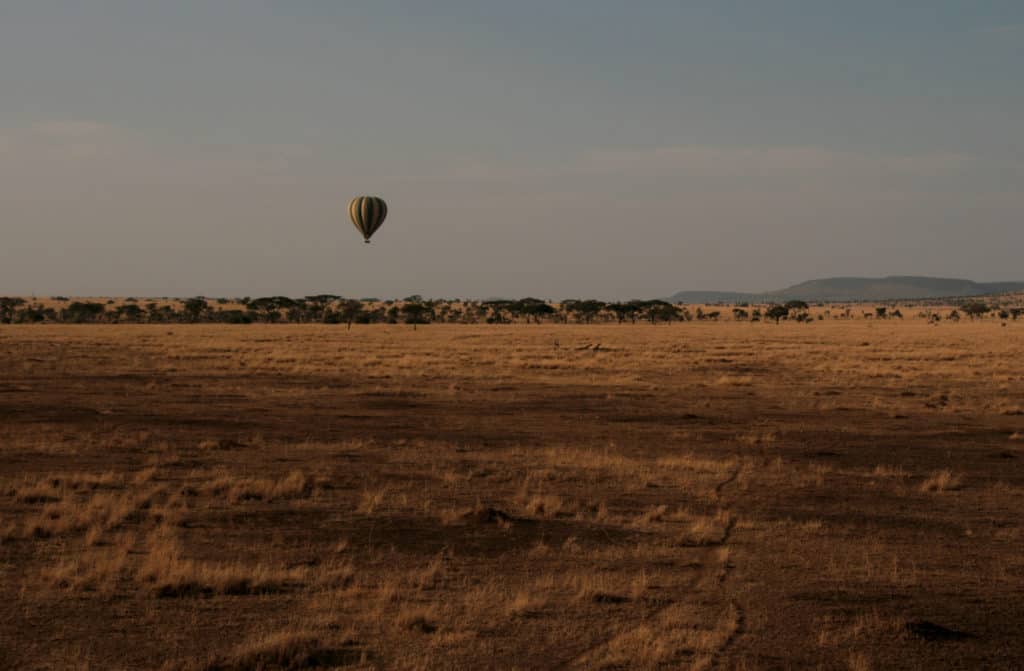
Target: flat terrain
<point>835,495</point>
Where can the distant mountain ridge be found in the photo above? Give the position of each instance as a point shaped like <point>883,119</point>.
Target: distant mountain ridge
<point>840,289</point>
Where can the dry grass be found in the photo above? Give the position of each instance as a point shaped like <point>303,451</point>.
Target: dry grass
<point>668,639</point>
<point>526,602</point>
<point>883,471</point>
<point>295,485</point>
<point>99,512</point>
<point>704,529</point>
<point>94,570</point>
<point>371,500</point>
<point>170,574</point>
<point>8,530</point>
<point>735,380</point>
<point>861,630</point>
<point>56,487</point>
<point>544,505</point>
<point>652,515</point>
<point>687,496</point>
<point>287,649</point>
<point>417,618</point>
<point>758,438</point>
<point>430,575</point>
<point>39,492</point>
<point>451,516</point>
<point>941,481</point>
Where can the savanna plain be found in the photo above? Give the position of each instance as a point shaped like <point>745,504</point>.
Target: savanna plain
<point>832,495</point>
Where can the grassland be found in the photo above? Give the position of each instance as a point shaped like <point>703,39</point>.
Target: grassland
<point>834,495</point>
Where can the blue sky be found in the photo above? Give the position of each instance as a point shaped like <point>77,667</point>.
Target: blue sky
<point>554,149</point>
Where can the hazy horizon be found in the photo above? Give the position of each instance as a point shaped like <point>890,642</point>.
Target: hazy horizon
<point>547,297</point>
<point>585,149</point>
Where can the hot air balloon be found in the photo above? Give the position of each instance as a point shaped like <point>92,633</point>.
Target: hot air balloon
<point>367,214</point>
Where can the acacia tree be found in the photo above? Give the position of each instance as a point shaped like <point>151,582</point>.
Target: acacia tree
<point>299,313</point>
<point>129,312</point>
<point>624,311</point>
<point>81,312</point>
<point>975,309</point>
<point>585,310</point>
<point>474,312</point>
<point>655,311</point>
<point>797,309</point>
<point>8,306</point>
<point>415,313</point>
<point>195,309</point>
<point>270,307</point>
<point>455,314</point>
<point>317,306</point>
<point>499,311</point>
<point>532,308</point>
<point>350,311</point>
<point>35,313</point>
<point>777,312</point>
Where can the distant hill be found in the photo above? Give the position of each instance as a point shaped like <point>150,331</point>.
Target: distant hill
<point>715,297</point>
<point>858,289</point>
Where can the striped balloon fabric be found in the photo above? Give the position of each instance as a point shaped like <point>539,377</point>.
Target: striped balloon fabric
<point>367,214</point>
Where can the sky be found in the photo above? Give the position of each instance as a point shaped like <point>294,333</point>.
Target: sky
<point>543,148</point>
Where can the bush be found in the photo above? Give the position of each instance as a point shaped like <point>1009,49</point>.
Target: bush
<point>235,317</point>
<point>777,312</point>
<point>79,313</point>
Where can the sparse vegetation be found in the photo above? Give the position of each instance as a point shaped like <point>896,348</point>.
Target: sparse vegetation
<point>712,494</point>
<point>941,481</point>
<point>415,310</point>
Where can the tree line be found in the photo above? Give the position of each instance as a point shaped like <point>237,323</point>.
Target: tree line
<point>415,310</point>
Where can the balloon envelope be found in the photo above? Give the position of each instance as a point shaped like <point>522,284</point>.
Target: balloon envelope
<point>367,213</point>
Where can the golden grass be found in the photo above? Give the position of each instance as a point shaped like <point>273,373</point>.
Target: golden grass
<point>544,505</point>
<point>884,471</point>
<point>295,485</point>
<point>292,648</point>
<point>941,481</point>
<point>170,574</point>
<point>99,512</point>
<point>59,485</point>
<point>526,602</point>
<point>371,500</point>
<point>93,570</point>
<point>687,496</point>
<point>668,639</point>
<point>417,618</point>
<point>704,529</point>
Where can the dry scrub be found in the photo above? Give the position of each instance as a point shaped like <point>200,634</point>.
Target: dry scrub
<point>695,496</point>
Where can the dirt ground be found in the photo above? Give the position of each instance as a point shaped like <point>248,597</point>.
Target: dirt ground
<point>834,495</point>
